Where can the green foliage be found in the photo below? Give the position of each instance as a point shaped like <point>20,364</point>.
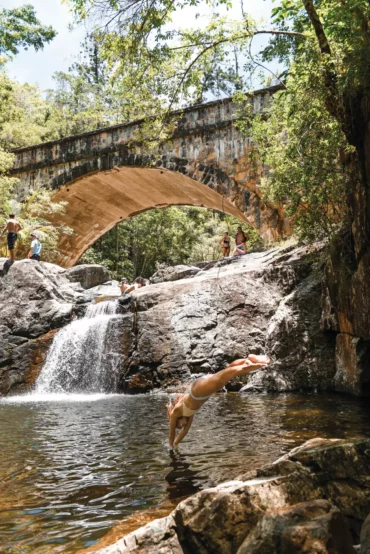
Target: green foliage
<point>20,28</point>
<point>23,114</point>
<point>168,236</point>
<point>300,145</point>
<point>32,214</point>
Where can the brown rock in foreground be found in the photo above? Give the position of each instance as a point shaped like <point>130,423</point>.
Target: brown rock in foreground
<point>304,500</point>
<point>313,527</point>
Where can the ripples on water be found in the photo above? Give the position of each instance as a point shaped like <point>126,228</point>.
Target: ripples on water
<point>73,466</point>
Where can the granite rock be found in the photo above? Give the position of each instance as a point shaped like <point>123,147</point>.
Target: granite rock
<point>312,500</point>
<point>88,275</point>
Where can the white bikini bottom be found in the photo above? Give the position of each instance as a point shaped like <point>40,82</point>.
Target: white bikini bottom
<point>187,412</point>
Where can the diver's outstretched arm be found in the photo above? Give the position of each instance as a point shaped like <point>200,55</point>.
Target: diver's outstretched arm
<point>183,431</point>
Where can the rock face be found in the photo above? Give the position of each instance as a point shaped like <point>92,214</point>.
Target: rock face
<point>269,301</point>
<point>312,501</point>
<point>174,273</point>
<point>87,275</point>
<point>35,299</point>
<point>315,527</point>
<point>347,312</point>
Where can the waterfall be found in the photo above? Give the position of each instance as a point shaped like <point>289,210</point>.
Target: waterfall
<point>80,359</point>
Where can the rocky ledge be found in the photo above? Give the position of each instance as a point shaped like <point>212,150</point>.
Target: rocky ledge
<point>36,299</point>
<point>311,501</point>
<point>263,302</point>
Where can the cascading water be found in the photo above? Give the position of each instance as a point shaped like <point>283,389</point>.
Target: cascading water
<point>79,359</point>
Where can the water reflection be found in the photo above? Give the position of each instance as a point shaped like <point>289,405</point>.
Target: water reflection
<point>70,471</point>
<point>181,479</point>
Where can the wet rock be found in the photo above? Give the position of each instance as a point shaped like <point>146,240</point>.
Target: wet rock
<point>365,537</point>
<point>352,365</point>
<point>87,275</point>
<point>348,289</point>
<point>35,298</point>
<point>158,537</point>
<point>174,273</point>
<point>268,301</point>
<point>303,503</point>
<point>295,340</point>
<point>314,527</point>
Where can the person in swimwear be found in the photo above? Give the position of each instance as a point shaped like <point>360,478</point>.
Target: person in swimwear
<point>181,414</point>
<point>13,227</point>
<point>240,241</point>
<point>225,245</point>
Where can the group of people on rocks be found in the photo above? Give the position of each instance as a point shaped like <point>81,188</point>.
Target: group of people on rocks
<point>240,243</point>
<point>12,228</point>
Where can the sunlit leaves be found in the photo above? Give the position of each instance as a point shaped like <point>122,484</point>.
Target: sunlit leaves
<point>20,28</point>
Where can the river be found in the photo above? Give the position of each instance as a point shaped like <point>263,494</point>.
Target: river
<point>73,466</point>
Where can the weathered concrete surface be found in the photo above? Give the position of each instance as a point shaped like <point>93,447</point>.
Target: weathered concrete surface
<point>108,176</point>
<point>302,503</point>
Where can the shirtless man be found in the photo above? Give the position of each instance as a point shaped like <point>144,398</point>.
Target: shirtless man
<point>13,228</point>
<point>124,285</point>
<point>181,413</point>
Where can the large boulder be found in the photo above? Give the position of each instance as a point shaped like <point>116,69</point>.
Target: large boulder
<point>305,502</point>
<point>313,527</point>
<point>88,275</point>
<point>262,302</point>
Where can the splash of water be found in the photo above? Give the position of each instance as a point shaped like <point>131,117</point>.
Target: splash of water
<point>80,360</point>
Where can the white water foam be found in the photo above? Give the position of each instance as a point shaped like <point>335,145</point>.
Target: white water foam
<point>55,397</point>
<point>80,359</point>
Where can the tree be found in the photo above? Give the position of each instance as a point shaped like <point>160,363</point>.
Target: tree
<point>20,28</point>
<point>23,117</point>
<point>168,236</point>
<point>338,40</point>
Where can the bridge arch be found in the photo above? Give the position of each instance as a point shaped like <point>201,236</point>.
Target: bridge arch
<point>98,201</point>
<point>205,162</point>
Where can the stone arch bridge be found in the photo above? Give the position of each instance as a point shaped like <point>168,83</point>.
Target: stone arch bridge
<point>107,177</point>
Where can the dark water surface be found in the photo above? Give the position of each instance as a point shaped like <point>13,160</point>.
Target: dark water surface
<point>71,470</point>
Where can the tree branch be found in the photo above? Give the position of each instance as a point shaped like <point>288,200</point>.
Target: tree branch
<point>318,27</point>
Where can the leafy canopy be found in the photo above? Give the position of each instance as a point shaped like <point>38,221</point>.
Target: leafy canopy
<point>20,28</point>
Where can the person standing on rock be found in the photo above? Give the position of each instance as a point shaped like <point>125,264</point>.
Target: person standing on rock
<point>240,242</point>
<point>181,413</point>
<point>225,245</point>
<point>13,227</point>
<point>35,250</point>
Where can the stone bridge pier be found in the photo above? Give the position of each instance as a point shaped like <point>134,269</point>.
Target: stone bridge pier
<point>107,175</point>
